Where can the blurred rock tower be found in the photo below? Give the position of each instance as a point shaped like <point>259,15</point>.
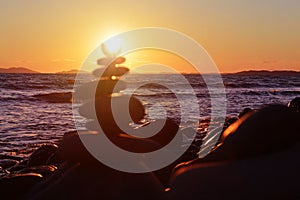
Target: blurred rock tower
<point>107,93</point>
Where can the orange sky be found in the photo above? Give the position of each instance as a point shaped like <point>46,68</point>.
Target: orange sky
<point>51,36</point>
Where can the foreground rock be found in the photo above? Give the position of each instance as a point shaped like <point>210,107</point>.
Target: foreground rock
<point>74,181</point>
<point>44,170</point>
<point>7,163</point>
<point>81,176</point>
<point>294,105</point>
<point>259,158</point>
<point>41,155</point>
<point>16,185</point>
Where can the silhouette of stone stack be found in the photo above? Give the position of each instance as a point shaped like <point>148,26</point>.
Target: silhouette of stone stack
<point>101,93</point>
<point>104,93</point>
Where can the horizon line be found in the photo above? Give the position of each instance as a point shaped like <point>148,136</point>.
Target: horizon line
<point>30,71</point>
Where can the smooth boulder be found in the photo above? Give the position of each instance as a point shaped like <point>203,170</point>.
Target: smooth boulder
<point>294,105</point>
<point>44,170</point>
<point>258,158</point>
<point>41,155</point>
<point>96,89</point>
<point>7,163</point>
<point>15,186</point>
<point>102,107</point>
<point>113,71</point>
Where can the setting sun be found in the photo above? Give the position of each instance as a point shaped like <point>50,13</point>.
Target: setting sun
<point>113,46</point>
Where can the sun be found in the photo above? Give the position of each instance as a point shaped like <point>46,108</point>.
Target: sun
<point>113,46</point>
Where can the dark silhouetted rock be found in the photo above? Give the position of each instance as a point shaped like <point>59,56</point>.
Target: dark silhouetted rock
<point>165,134</point>
<point>7,163</point>
<point>274,128</point>
<point>15,186</point>
<point>294,105</point>
<point>271,129</point>
<point>10,157</point>
<point>44,170</point>
<point>3,172</point>
<point>68,152</point>
<point>104,109</point>
<point>21,165</point>
<point>272,176</point>
<point>111,61</point>
<point>229,121</point>
<point>245,111</point>
<point>95,89</point>
<point>78,182</point>
<point>41,155</point>
<point>116,71</point>
<point>104,112</point>
<point>71,149</point>
<point>17,167</point>
<point>259,157</point>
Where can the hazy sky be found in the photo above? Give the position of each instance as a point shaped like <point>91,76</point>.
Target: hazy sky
<point>51,36</point>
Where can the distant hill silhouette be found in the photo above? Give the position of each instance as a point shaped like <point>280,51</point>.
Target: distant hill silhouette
<point>17,70</point>
<point>72,71</point>
<point>269,73</point>
<point>24,70</point>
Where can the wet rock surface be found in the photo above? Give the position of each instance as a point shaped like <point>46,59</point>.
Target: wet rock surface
<point>41,156</point>
<point>258,157</point>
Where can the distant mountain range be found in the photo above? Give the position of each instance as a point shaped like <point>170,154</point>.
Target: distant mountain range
<point>72,71</point>
<point>23,70</point>
<point>269,73</point>
<point>17,70</point>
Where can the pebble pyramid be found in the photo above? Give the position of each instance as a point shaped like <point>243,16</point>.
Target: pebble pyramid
<point>127,109</point>
<point>107,90</point>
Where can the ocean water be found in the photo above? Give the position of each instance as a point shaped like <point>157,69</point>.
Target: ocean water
<point>29,118</point>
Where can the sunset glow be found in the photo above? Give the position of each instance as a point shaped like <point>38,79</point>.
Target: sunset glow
<point>113,46</point>
<point>148,56</point>
<point>55,36</point>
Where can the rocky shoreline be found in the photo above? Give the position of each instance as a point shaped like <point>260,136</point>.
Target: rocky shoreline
<point>243,157</point>
<point>69,171</point>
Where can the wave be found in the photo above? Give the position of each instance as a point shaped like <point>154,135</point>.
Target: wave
<point>56,97</point>
<point>252,93</point>
<point>35,82</point>
<point>157,95</point>
<point>243,85</point>
<point>153,86</point>
<point>272,92</point>
<point>288,93</point>
<point>171,95</point>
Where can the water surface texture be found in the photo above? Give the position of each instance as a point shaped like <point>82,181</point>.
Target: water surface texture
<point>35,108</point>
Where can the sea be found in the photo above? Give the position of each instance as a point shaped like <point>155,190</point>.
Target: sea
<point>35,108</point>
